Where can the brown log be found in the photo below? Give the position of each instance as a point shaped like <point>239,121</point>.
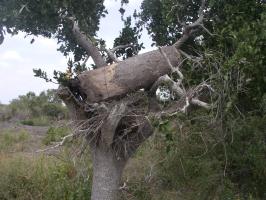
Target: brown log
<point>127,76</point>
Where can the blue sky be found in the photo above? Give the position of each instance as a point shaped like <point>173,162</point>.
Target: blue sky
<point>18,57</point>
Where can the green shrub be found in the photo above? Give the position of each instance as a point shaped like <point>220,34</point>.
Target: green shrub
<point>54,110</point>
<point>54,134</point>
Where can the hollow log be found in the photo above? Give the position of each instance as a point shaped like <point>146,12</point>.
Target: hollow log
<point>121,78</point>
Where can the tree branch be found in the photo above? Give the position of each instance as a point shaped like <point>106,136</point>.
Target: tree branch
<point>109,128</point>
<point>61,143</point>
<point>121,47</point>
<point>87,44</point>
<point>111,52</point>
<point>189,29</point>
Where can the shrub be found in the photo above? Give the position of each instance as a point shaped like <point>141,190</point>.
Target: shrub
<point>54,110</point>
<point>54,134</point>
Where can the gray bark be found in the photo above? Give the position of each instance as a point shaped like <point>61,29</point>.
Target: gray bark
<point>88,45</point>
<point>107,173</point>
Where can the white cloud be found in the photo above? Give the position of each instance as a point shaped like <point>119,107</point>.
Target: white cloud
<point>46,43</point>
<point>11,55</point>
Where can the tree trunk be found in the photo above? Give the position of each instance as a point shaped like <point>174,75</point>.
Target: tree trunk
<point>107,173</point>
<point>121,78</point>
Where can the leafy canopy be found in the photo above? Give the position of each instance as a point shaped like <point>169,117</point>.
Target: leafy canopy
<point>48,18</point>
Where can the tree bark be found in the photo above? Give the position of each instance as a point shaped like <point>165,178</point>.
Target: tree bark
<point>121,78</point>
<point>107,173</point>
<point>88,45</point>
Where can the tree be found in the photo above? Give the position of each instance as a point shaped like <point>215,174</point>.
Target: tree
<point>115,104</point>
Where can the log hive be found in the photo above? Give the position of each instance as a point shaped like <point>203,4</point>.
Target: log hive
<point>135,73</point>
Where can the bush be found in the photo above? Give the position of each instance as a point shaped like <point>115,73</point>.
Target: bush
<point>54,110</point>
<point>54,134</point>
<point>31,106</point>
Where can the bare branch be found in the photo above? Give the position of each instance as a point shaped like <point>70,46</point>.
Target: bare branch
<point>61,143</point>
<point>173,69</point>
<point>174,86</point>
<point>121,47</point>
<point>189,29</point>
<point>110,54</point>
<point>199,103</point>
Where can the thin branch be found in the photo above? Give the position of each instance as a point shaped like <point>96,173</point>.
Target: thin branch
<point>174,86</point>
<point>61,143</point>
<point>110,54</point>
<point>189,29</point>
<point>121,47</point>
<point>85,61</point>
<point>173,69</point>
<point>199,103</point>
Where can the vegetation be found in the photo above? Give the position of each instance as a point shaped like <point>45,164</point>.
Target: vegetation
<point>219,154</point>
<point>214,154</point>
<point>55,134</point>
<point>35,110</point>
<point>24,178</point>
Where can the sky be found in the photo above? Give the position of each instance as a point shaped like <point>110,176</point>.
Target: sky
<point>18,57</point>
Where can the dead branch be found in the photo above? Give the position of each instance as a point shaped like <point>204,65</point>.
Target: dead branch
<point>61,143</point>
<point>111,52</point>
<point>121,47</point>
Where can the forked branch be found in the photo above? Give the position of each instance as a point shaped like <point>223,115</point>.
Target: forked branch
<point>111,52</point>
<point>189,29</point>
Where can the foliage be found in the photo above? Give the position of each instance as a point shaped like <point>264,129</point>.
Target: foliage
<point>49,19</point>
<point>216,154</point>
<point>63,78</point>
<point>35,109</point>
<point>55,134</point>
<point>128,35</point>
